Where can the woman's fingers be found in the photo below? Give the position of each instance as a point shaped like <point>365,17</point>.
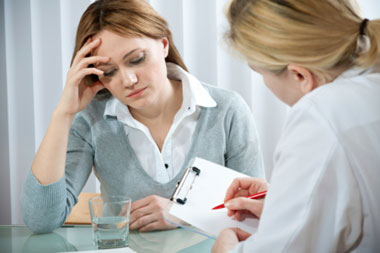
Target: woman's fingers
<point>254,206</point>
<point>157,224</point>
<point>147,214</point>
<point>238,185</point>
<point>245,186</point>
<point>142,210</point>
<point>85,50</point>
<point>241,234</point>
<point>240,203</point>
<point>226,241</point>
<point>85,62</point>
<point>77,94</point>
<point>138,213</point>
<point>142,221</point>
<point>150,227</point>
<point>78,77</point>
<point>138,204</point>
<point>148,221</point>
<point>243,214</point>
<point>75,74</point>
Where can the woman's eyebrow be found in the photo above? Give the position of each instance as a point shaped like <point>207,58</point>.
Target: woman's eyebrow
<point>124,57</point>
<point>129,53</point>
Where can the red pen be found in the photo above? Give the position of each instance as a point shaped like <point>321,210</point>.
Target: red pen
<point>253,196</point>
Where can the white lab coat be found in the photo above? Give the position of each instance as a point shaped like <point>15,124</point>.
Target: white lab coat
<point>324,194</point>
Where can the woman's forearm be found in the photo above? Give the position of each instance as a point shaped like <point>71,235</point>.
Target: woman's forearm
<point>49,162</point>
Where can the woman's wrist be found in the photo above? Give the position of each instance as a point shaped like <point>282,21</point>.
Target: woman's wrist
<point>63,117</point>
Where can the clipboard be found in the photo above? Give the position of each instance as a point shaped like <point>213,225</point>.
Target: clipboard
<point>203,186</point>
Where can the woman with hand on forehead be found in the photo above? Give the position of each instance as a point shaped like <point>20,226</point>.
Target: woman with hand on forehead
<point>131,111</point>
<point>322,59</point>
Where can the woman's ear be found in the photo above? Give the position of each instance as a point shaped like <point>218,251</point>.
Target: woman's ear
<point>302,76</point>
<point>165,43</point>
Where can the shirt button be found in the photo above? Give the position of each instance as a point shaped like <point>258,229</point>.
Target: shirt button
<point>166,165</point>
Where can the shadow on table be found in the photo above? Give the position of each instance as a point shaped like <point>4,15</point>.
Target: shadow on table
<point>51,242</point>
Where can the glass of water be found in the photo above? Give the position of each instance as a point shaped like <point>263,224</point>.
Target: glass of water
<point>110,220</point>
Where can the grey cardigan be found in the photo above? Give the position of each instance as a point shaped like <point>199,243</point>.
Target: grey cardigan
<point>225,134</point>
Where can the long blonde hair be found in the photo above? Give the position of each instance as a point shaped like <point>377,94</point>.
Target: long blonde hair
<point>319,35</point>
<point>131,18</point>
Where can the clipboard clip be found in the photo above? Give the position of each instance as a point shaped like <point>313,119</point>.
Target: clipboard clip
<point>184,185</point>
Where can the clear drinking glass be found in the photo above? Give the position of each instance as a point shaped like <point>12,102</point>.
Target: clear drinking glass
<point>110,220</point>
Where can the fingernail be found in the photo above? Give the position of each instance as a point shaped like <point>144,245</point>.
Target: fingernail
<point>227,204</point>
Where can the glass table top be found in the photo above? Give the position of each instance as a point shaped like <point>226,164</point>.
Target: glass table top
<point>18,238</point>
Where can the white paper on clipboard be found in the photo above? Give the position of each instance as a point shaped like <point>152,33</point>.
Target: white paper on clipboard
<point>205,191</point>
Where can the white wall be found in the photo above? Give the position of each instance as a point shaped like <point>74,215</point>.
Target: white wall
<point>19,75</point>
<point>5,186</point>
<point>34,74</point>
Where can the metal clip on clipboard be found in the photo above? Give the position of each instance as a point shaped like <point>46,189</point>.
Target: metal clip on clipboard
<point>184,185</point>
<point>199,194</point>
<point>179,196</point>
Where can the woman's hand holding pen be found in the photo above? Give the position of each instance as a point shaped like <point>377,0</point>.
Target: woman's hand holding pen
<point>77,94</point>
<point>238,206</point>
<point>147,214</point>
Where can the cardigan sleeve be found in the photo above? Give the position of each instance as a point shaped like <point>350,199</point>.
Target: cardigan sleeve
<point>46,207</point>
<point>243,149</point>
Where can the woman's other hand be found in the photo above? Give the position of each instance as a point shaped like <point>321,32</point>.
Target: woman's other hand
<point>238,206</point>
<point>228,238</point>
<point>147,214</point>
<point>77,94</point>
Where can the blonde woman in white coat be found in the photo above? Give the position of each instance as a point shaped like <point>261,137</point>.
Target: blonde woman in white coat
<point>322,59</point>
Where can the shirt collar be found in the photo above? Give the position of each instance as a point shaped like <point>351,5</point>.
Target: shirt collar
<point>194,94</point>
<point>347,74</point>
<point>353,72</point>
<point>192,89</point>
<point>115,108</point>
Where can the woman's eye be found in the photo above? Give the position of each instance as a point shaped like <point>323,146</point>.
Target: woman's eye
<point>109,73</point>
<point>137,60</point>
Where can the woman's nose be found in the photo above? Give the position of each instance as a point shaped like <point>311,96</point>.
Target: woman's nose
<point>129,78</point>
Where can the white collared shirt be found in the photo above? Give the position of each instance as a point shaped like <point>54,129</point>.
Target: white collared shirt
<point>165,165</point>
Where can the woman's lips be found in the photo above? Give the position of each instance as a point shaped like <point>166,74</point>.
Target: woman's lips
<point>136,93</point>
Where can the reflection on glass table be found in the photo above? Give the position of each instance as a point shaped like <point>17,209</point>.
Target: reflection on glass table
<point>79,238</point>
